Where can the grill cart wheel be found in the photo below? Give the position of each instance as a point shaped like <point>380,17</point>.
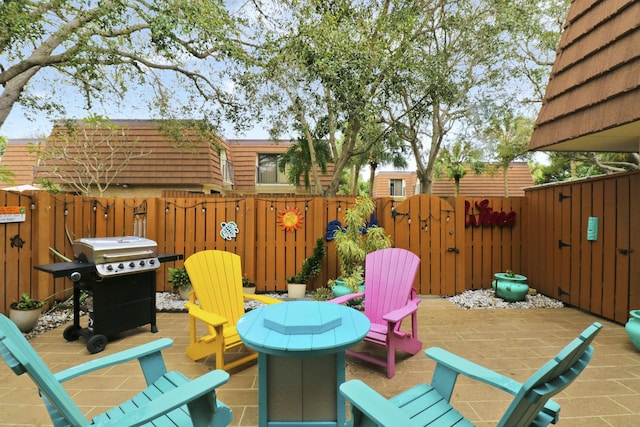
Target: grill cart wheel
<point>96,343</point>
<point>71,333</point>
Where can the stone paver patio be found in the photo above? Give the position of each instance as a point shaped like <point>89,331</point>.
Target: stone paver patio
<point>514,342</point>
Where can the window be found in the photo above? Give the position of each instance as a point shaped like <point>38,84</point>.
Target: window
<point>227,167</point>
<point>396,187</point>
<point>268,172</point>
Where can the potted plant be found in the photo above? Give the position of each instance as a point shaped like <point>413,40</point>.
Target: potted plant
<point>354,242</point>
<point>25,312</point>
<point>510,286</point>
<point>181,282</point>
<point>248,287</point>
<point>311,266</point>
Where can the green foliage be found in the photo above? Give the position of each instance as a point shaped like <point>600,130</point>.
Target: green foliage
<point>179,278</point>
<point>5,174</point>
<point>455,161</point>
<point>312,265</point>
<point>355,240</point>
<point>564,166</point>
<point>246,283</point>
<point>296,161</point>
<point>323,294</point>
<point>112,52</point>
<point>50,186</point>
<point>27,303</point>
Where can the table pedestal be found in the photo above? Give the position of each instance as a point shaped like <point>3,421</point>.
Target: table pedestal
<point>301,360</point>
<point>301,389</point>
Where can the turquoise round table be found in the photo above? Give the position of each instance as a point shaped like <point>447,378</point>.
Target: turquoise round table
<point>301,360</point>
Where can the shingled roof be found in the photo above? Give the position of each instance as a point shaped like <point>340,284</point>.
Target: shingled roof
<point>19,161</point>
<point>592,102</point>
<point>163,164</point>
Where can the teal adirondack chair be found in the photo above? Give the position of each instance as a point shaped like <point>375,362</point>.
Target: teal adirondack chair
<point>429,405</point>
<point>170,399</point>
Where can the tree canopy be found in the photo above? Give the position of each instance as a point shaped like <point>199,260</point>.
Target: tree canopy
<point>103,50</point>
<point>364,78</point>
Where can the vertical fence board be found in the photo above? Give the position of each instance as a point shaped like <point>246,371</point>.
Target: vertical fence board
<point>11,257</point>
<point>623,224</point>
<point>577,240</point>
<point>586,198</point>
<point>634,243</point>
<point>562,271</point>
<point>596,268</point>
<point>609,248</point>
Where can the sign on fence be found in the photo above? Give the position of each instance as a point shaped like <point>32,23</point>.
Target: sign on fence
<point>12,214</point>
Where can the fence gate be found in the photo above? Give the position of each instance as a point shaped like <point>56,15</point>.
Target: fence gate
<point>426,225</point>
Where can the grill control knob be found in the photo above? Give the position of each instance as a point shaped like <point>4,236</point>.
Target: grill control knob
<point>132,264</point>
<point>121,266</point>
<point>142,263</point>
<point>152,261</point>
<point>75,276</point>
<point>109,267</point>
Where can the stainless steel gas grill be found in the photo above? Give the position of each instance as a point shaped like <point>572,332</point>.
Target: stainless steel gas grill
<point>119,273</point>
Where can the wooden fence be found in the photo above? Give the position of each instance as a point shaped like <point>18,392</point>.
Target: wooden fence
<point>548,241</point>
<point>601,276</point>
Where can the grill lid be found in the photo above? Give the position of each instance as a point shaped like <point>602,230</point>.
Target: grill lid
<point>117,255</point>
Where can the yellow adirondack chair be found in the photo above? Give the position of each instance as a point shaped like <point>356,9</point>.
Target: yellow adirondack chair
<point>216,277</point>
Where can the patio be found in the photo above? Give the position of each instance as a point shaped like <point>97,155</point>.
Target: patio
<point>512,341</point>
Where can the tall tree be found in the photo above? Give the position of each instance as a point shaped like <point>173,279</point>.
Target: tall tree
<point>296,161</point>
<point>464,56</point>
<point>105,49</point>
<point>508,137</point>
<point>454,162</point>
<point>326,61</point>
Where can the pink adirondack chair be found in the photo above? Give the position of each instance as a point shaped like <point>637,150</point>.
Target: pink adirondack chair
<point>389,298</point>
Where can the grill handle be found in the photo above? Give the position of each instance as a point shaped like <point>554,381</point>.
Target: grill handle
<point>127,255</point>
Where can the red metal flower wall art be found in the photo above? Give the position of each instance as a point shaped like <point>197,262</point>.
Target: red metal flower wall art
<point>290,219</point>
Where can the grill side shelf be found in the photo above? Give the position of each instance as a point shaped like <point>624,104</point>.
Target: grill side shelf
<point>169,257</point>
<point>64,269</point>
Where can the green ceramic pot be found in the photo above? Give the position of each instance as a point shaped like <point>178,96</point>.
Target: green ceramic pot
<point>633,327</point>
<point>510,288</point>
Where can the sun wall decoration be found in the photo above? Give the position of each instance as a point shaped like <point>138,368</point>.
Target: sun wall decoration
<point>290,219</point>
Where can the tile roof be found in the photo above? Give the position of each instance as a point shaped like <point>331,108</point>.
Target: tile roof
<point>19,161</point>
<point>164,163</point>
<point>591,102</point>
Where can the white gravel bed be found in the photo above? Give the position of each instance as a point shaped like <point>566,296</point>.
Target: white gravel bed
<point>171,302</point>
<point>486,299</point>
<point>165,302</point>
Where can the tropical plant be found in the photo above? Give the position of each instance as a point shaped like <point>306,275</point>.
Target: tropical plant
<point>179,278</point>
<point>27,303</point>
<point>246,283</point>
<point>323,294</point>
<point>454,162</point>
<point>312,265</point>
<point>356,239</point>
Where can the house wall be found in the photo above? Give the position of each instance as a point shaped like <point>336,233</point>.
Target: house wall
<point>488,184</point>
<point>19,161</point>
<point>244,154</point>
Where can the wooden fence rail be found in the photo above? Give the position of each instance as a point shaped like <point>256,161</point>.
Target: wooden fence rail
<point>600,276</point>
